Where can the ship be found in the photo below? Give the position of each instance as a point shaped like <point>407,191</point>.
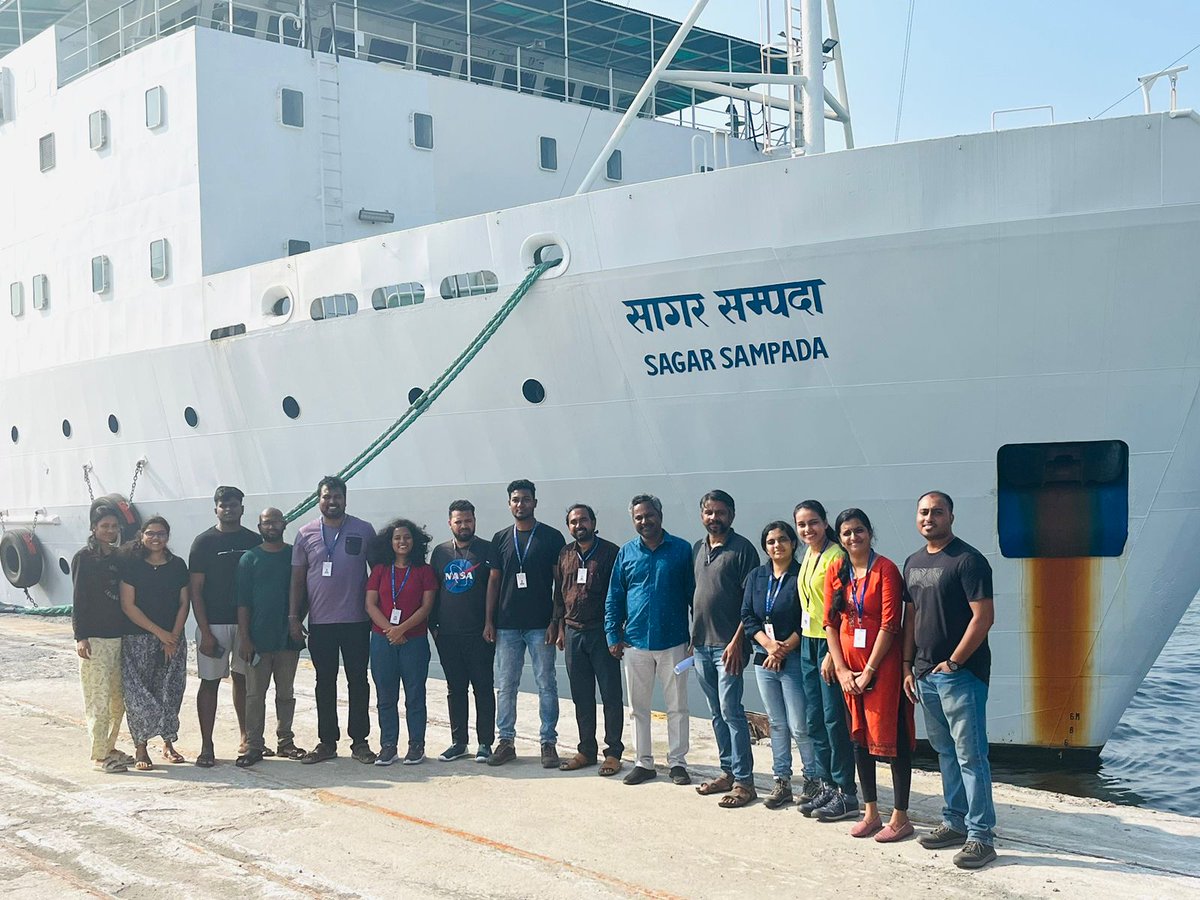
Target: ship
<point>241,240</point>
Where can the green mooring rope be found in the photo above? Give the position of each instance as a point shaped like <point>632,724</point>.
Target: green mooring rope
<point>392,432</point>
<point>434,391</point>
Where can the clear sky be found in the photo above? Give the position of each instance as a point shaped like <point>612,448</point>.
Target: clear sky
<point>970,57</point>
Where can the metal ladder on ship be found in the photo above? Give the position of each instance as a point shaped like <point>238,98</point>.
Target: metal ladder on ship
<point>329,99</point>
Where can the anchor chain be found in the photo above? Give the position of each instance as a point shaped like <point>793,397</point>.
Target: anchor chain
<point>87,479</point>
<point>141,464</point>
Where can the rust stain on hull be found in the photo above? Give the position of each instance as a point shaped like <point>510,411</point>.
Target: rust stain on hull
<point>1064,594</point>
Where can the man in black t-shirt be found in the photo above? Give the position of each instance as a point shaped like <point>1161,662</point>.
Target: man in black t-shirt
<point>212,589</point>
<point>947,663</point>
<point>520,602</point>
<point>457,624</point>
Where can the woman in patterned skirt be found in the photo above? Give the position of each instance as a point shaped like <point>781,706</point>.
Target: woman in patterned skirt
<point>154,657</point>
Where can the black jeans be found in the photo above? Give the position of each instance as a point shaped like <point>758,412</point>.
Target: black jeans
<point>467,659</point>
<point>352,641</point>
<point>589,664</point>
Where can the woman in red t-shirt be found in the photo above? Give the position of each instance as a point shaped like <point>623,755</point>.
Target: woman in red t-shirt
<point>400,595</point>
<point>864,600</point>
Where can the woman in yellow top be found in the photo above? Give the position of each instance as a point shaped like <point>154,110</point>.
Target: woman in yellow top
<point>833,784</point>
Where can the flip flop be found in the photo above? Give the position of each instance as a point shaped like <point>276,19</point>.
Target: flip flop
<point>204,760</point>
<point>143,765</point>
<point>722,785</point>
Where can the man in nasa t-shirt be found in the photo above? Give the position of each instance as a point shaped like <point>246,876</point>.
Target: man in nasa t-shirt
<point>457,622</point>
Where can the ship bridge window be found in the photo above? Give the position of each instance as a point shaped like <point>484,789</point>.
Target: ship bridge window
<point>548,148</point>
<point>98,130</point>
<point>469,284</point>
<point>409,293</point>
<point>160,259</point>
<point>101,274</point>
<point>1066,499</point>
<point>296,247</point>
<point>227,331</point>
<point>156,107</point>
<point>41,292</point>
<point>16,298</point>
<point>333,306</point>
<point>46,152</point>
<point>422,131</point>
<point>613,171</point>
<point>291,108</point>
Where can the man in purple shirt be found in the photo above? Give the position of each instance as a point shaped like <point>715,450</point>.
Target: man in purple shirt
<point>329,574</point>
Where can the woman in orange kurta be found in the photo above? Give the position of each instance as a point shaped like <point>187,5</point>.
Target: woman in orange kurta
<point>863,625</point>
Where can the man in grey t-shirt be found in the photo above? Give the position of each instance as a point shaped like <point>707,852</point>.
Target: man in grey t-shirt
<point>722,560</point>
<point>329,571</point>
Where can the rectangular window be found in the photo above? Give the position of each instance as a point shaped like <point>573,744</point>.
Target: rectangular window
<point>1067,499</point>
<point>613,170</point>
<point>98,130</point>
<point>422,135</point>
<point>16,298</point>
<point>155,107</point>
<point>160,263</point>
<point>295,247</point>
<point>291,108</point>
<point>41,292</point>
<point>46,152</point>
<point>548,147</point>
<point>100,274</point>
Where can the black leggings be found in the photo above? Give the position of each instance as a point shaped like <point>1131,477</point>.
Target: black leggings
<point>901,767</point>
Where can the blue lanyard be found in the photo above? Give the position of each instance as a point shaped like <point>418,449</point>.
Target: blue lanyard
<point>517,545</point>
<point>860,599</point>
<point>329,548</point>
<point>395,595</point>
<point>582,559</point>
<point>772,596</point>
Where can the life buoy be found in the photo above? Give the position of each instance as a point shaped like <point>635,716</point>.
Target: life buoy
<point>21,557</point>
<point>127,513</point>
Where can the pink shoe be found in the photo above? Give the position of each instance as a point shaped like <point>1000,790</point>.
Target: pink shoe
<point>890,834</point>
<point>866,828</point>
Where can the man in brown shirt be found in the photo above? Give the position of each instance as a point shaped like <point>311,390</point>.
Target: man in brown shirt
<point>580,588</point>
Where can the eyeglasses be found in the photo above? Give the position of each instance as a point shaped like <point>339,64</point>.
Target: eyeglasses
<point>155,535</point>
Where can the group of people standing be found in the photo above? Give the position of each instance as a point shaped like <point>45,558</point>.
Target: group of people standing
<point>841,641</point>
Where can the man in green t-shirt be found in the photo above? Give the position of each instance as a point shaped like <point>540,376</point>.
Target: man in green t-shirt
<point>263,578</point>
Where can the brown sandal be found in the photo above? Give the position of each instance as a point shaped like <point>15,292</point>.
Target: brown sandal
<point>575,763</point>
<point>610,766</point>
<point>722,785</point>
<point>738,797</point>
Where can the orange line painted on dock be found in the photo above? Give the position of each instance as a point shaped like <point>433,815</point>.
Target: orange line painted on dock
<point>626,886</point>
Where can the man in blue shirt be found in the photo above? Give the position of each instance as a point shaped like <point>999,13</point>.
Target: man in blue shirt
<point>646,624</point>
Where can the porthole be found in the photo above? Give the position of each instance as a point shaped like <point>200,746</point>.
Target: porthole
<point>549,253</point>
<point>14,434</point>
<point>64,566</point>
<point>533,391</point>
<point>113,425</point>
<point>291,408</point>
<point>414,395</point>
<point>66,428</point>
<point>189,416</point>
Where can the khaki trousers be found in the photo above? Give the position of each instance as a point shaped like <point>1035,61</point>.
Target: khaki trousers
<point>281,666</point>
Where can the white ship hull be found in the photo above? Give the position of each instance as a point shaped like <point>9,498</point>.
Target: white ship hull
<point>1028,286</point>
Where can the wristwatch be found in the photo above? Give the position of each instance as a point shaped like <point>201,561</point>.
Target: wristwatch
<point>952,665</point>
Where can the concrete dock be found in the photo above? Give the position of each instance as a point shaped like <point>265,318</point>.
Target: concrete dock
<point>341,829</point>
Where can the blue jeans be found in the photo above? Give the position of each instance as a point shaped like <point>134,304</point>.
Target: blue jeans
<point>833,756</point>
<point>391,666</point>
<point>724,695</point>
<point>955,708</point>
<point>510,661</point>
<point>783,694</point>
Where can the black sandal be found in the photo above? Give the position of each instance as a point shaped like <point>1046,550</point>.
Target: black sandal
<point>249,758</point>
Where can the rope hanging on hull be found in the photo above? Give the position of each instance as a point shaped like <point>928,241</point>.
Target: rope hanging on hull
<point>434,391</point>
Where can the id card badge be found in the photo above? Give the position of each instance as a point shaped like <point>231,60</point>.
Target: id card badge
<point>395,620</point>
<point>581,576</point>
<point>769,629</point>
<point>327,568</point>
<point>805,620</point>
<point>522,581</point>
<point>860,638</point>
